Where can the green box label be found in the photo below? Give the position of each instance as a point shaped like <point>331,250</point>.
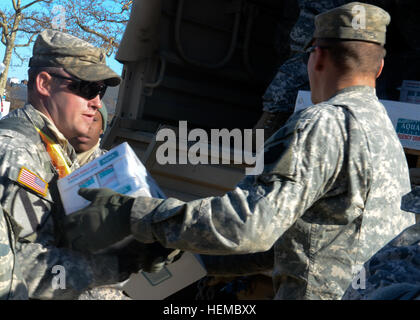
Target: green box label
<point>109,158</point>
<point>406,126</point>
<point>87,183</point>
<point>106,172</point>
<point>124,189</point>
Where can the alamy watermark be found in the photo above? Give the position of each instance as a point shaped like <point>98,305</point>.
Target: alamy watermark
<point>194,147</point>
<point>359,18</point>
<point>359,277</point>
<point>59,20</point>
<point>59,280</point>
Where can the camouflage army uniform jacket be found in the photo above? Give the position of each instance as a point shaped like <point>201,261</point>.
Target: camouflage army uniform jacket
<point>38,248</point>
<point>12,285</point>
<point>327,200</point>
<point>394,272</point>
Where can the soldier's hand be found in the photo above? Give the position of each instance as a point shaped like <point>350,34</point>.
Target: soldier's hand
<point>104,222</point>
<point>159,260</point>
<point>138,256</point>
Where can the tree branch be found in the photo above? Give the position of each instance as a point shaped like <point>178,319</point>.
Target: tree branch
<point>103,37</point>
<point>3,25</point>
<point>19,56</point>
<point>43,23</point>
<point>3,39</point>
<point>4,33</point>
<point>28,31</point>
<point>3,16</point>
<point>33,2</point>
<point>15,6</point>
<point>126,6</point>
<point>31,38</point>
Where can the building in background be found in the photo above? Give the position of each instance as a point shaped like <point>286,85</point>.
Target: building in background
<point>13,81</point>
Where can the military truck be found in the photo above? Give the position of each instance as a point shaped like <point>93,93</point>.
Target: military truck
<point>200,61</point>
<point>207,62</point>
<point>204,62</point>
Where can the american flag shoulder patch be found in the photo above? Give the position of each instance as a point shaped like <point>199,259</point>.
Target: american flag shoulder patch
<point>32,181</point>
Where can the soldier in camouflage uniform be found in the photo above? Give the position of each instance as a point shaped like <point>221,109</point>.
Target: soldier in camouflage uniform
<point>394,272</point>
<point>328,198</point>
<point>11,284</point>
<point>280,96</point>
<point>87,146</point>
<point>87,149</point>
<point>68,77</point>
<point>402,62</point>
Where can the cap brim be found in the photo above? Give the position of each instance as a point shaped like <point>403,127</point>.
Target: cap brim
<point>95,72</point>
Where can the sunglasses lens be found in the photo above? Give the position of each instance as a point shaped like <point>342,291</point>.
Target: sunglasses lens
<point>88,90</point>
<point>74,87</point>
<point>95,89</point>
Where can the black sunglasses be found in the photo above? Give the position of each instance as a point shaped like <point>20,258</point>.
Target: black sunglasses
<point>82,88</point>
<point>308,52</point>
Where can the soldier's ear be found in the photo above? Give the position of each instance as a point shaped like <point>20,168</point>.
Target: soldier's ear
<point>43,83</point>
<point>380,69</point>
<point>320,56</point>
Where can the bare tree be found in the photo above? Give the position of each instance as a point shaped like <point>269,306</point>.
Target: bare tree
<point>100,22</point>
<point>10,21</point>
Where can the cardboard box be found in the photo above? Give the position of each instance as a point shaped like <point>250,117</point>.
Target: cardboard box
<point>120,169</point>
<point>404,116</point>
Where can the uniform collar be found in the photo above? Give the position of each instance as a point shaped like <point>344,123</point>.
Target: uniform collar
<point>361,89</point>
<point>85,157</point>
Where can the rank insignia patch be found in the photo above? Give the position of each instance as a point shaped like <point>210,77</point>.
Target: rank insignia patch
<point>32,181</point>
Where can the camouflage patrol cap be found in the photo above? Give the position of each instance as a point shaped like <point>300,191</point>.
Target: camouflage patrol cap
<point>352,21</point>
<point>79,58</point>
<point>411,201</point>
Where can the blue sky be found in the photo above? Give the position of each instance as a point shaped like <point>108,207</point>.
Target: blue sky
<point>19,70</point>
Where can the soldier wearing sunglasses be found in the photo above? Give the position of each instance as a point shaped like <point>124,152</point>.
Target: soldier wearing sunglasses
<point>67,79</point>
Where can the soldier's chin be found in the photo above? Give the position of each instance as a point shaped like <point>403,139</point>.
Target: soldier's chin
<point>82,129</point>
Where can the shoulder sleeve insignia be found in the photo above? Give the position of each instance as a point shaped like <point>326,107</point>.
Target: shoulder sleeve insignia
<point>32,181</point>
